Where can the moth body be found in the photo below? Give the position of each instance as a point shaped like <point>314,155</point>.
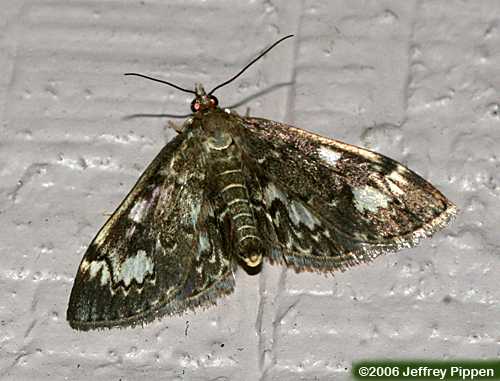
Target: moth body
<point>226,180</point>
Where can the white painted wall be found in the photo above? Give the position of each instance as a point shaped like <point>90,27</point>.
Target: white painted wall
<point>415,80</point>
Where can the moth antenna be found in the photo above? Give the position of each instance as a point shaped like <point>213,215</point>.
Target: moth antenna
<point>250,64</point>
<point>162,81</point>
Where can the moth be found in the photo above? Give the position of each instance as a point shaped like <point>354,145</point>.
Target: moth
<point>233,191</point>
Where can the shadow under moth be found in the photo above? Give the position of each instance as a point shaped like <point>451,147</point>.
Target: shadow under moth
<point>230,190</point>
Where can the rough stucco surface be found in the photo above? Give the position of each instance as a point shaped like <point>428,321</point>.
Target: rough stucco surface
<point>417,81</point>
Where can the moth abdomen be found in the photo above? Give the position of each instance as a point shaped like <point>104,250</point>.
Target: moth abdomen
<point>238,212</point>
<point>236,209</point>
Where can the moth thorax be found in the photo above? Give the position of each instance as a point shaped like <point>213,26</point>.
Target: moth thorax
<point>219,141</point>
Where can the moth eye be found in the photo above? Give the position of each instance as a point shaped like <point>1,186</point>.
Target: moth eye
<point>214,101</point>
<point>195,105</point>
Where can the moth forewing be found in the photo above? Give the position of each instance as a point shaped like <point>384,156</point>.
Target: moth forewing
<point>333,204</point>
<point>150,258</point>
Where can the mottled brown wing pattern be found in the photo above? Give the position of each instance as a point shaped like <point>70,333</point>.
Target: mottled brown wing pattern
<point>333,205</point>
<point>159,253</point>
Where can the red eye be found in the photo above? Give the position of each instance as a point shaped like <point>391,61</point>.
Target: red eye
<point>195,105</point>
<point>214,101</point>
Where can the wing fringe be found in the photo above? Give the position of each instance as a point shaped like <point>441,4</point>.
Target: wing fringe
<point>366,253</point>
<point>174,307</point>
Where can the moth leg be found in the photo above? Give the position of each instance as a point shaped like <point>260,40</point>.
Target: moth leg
<point>178,127</point>
<point>174,126</point>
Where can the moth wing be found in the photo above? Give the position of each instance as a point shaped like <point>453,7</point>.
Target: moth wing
<point>333,205</point>
<point>159,253</point>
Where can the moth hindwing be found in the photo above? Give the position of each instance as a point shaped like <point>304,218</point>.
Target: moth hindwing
<point>231,190</point>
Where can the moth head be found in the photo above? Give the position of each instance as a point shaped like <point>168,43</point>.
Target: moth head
<point>203,101</point>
